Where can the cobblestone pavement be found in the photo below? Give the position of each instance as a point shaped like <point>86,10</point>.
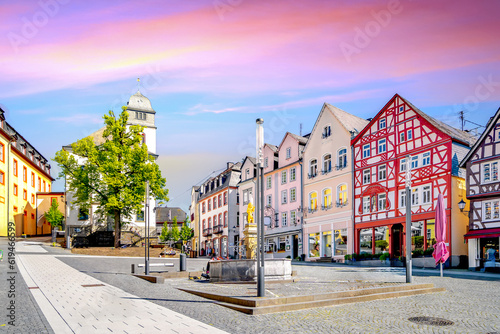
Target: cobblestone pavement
<point>471,302</point>
<point>27,314</point>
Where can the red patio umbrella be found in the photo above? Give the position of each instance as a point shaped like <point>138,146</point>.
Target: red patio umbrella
<point>440,253</point>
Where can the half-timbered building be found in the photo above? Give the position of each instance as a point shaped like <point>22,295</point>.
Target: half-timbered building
<point>483,191</point>
<point>398,138</point>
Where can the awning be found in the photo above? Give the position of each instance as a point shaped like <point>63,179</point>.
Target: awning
<point>483,233</point>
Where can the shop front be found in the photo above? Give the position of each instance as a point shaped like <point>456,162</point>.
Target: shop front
<point>484,249</point>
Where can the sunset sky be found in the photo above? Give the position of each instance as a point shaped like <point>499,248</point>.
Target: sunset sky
<point>210,68</point>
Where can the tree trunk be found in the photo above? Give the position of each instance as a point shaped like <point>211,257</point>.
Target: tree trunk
<point>117,229</point>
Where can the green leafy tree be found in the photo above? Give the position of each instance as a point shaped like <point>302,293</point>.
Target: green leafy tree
<point>53,215</point>
<point>165,233</point>
<point>175,230</point>
<point>112,174</point>
<point>186,233</point>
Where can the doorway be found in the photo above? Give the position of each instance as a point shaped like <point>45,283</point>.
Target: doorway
<point>396,240</point>
<point>295,247</point>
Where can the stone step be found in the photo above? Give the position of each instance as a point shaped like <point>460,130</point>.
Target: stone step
<point>253,306</point>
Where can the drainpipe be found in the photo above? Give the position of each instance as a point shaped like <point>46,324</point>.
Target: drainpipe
<point>353,206</point>
<point>303,206</point>
<point>8,184</point>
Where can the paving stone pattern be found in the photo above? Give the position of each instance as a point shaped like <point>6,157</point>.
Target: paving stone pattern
<point>471,304</point>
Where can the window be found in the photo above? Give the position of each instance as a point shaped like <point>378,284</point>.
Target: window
<point>366,204</point>
<point>215,221</point>
<point>382,202</point>
<point>401,137</point>
<point>225,219</point>
<point>326,131</point>
<point>491,210</point>
<point>209,222</point>
<point>32,179</point>
<point>25,174</point>
<point>313,168</point>
<point>283,219</point>
<point>366,176</point>
<point>426,194</point>
<point>266,162</point>
<point>293,218</point>
<point>15,189</point>
<point>293,194</point>
<point>288,152</point>
<point>44,186</point>
<point>83,214</point>
<point>292,174</point>
<point>366,151</point>
<point>342,158</point>
<point>247,194</point>
<point>490,172</point>
<point>402,198</point>
<point>225,198</point>
<point>203,207</point>
<point>269,182</point>
<point>140,216</point>
<point>313,201</point>
<point>327,198</point>
<point>409,135</point>
<point>25,195</point>
<point>39,183</point>
<point>426,159</point>
<point>414,196</point>
<point>14,166</point>
<point>283,196</point>
<point>220,219</point>
<point>373,204</point>
<point>382,146</point>
<point>382,172</point>
<point>2,177</point>
<point>204,224</point>
<point>209,204</point>
<point>414,162</point>
<point>2,152</point>
<point>33,199</point>
<point>402,165</point>
<point>327,163</point>
<point>381,124</point>
<point>401,108</point>
<point>269,200</point>
<point>342,195</point>
<point>283,177</point>
<point>220,200</point>
<point>215,202</point>
<point>247,173</point>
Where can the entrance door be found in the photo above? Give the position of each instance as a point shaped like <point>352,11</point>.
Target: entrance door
<point>396,240</point>
<point>295,246</point>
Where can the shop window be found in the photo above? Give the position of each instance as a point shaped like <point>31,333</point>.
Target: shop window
<point>382,239</point>
<point>365,241</point>
<point>340,242</point>
<point>314,245</point>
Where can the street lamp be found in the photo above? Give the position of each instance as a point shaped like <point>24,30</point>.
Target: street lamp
<point>408,220</point>
<point>259,207</point>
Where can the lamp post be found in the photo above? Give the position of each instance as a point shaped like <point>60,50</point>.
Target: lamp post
<point>408,220</point>
<point>259,208</point>
<point>146,223</point>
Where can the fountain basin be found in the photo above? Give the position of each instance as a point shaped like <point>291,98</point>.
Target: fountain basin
<point>246,270</point>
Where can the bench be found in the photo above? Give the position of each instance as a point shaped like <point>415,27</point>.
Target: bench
<point>140,265</point>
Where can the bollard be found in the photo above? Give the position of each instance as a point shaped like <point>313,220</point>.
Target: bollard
<point>182,262</point>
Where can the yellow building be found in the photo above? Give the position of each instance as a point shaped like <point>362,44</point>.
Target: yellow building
<point>23,173</point>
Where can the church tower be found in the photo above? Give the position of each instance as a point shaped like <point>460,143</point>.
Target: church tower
<point>142,113</point>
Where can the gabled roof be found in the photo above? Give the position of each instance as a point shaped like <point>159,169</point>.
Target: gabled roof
<point>249,158</point>
<point>166,214</point>
<point>273,148</point>
<point>491,124</point>
<point>301,140</point>
<point>351,123</point>
<point>457,135</point>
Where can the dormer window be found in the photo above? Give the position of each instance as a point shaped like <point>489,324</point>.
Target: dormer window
<point>288,152</point>
<point>326,131</point>
<point>266,162</point>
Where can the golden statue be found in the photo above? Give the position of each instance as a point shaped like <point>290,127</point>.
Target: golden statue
<point>250,210</point>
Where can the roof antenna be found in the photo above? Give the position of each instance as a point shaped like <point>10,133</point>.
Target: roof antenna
<point>300,131</point>
<point>138,84</point>
<point>462,119</point>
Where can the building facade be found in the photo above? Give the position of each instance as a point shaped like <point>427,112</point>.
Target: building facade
<point>282,197</point>
<point>219,212</point>
<point>194,215</point>
<point>327,178</point>
<point>246,195</point>
<point>83,222</point>
<point>401,138</point>
<point>483,192</point>
<point>24,172</point>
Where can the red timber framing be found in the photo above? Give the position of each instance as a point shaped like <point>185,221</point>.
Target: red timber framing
<point>397,131</point>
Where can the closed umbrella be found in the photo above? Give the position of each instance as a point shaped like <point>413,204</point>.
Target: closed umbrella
<point>440,253</point>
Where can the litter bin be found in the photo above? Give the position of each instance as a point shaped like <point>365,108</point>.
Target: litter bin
<point>182,262</point>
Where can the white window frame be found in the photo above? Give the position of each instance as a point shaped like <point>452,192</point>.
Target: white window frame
<point>382,146</point>
<point>414,162</point>
<point>402,198</point>
<point>493,170</point>
<point>342,194</point>
<point>293,174</point>
<point>269,182</point>
<point>415,196</point>
<point>327,131</point>
<point>366,204</point>
<point>266,162</point>
<point>409,134</point>
<point>293,218</point>
<point>382,124</point>
<point>283,177</point>
<point>403,165</point>
<point>342,158</point>
<point>284,196</point>
<point>491,204</point>
<point>366,151</point>
<point>426,194</point>
<point>269,200</point>
<point>288,152</point>
<point>327,169</point>
<point>426,159</point>
<point>367,176</point>
<point>284,219</point>
<point>313,167</point>
<point>382,201</point>
<point>402,137</point>
<point>293,194</point>
<point>382,169</point>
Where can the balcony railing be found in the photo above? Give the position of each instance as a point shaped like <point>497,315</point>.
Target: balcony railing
<point>311,210</point>
<point>340,204</point>
<point>326,207</point>
<point>218,229</point>
<point>207,232</point>
<point>326,171</point>
<point>341,166</point>
<point>313,175</point>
